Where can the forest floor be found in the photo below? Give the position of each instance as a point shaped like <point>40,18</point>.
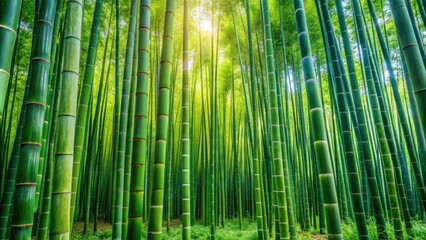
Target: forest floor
<point>231,231</point>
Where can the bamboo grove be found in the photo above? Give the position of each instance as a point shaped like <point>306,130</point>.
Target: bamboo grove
<point>285,119</point>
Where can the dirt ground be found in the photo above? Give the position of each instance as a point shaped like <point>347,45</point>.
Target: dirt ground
<point>102,227</point>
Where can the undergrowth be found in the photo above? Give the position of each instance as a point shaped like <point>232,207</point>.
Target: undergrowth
<point>248,231</point>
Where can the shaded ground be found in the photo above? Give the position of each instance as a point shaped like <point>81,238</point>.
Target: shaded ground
<point>102,227</point>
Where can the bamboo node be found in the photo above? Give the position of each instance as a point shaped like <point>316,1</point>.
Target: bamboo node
<point>5,72</point>
<point>26,184</point>
<point>31,144</point>
<point>145,5</point>
<point>45,21</point>
<point>21,225</point>
<point>8,28</point>
<point>36,103</point>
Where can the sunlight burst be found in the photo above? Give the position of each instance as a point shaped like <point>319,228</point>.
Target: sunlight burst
<point>206,25</point>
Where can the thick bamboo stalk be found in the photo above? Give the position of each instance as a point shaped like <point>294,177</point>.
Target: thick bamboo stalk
<point>9,18</point>
<point>156,206</point>
<point>25,185</point>
<point>83,106</point>
<point>316,112</point>
<point>139,154</point>
<point>60,217</point>
<point>412,55</point>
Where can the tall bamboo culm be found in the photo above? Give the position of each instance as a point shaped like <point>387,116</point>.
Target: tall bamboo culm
<point>186,141</point>
<point>83,107</point>
<point>261,233</point>
<point>276,138</point>
<point>157,199</point>
<point>316,112</point>
<point>139,153</point>
<point>60,218</point>
<point>26,177</point>
<point>119,187</point>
